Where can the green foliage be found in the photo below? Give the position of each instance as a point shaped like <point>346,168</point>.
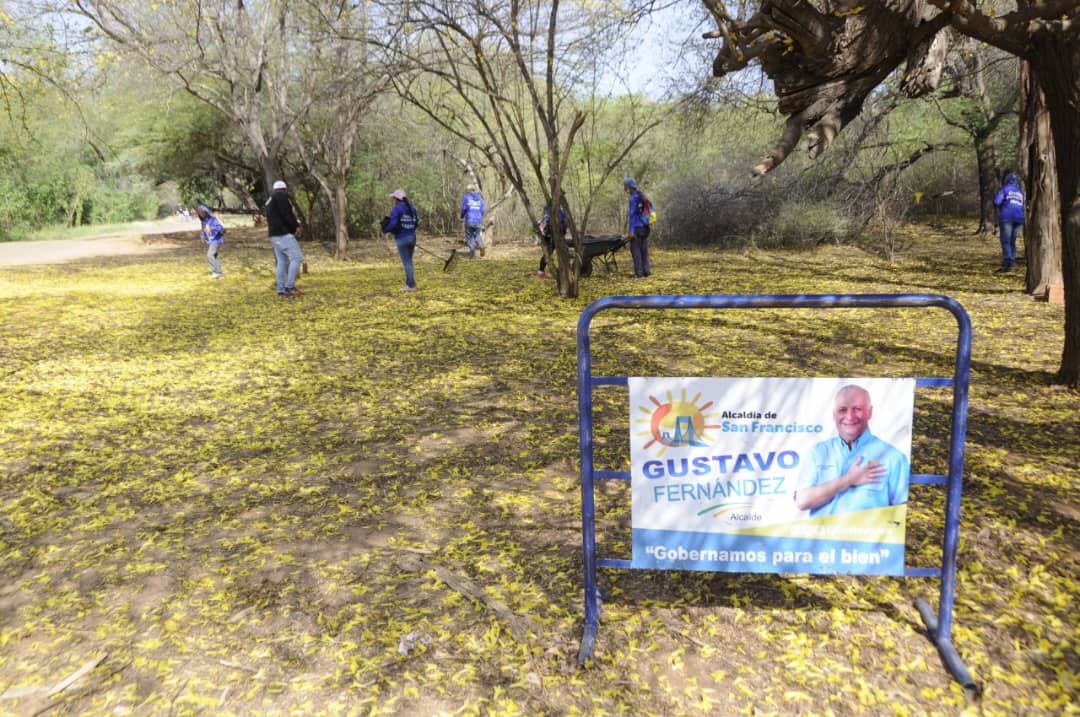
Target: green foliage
<point>41,187</point>
<point>950,175</point>
<point>53,170</point>
<point>411,154</point>
<point>157,145</point>
<point>189,143</point>
<point>111,203</point>
<point>365,207</point>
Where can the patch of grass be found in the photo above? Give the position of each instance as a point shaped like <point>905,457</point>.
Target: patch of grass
<point>242,504</point>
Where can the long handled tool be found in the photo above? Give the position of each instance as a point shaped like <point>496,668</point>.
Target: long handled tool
<point>447,260</point>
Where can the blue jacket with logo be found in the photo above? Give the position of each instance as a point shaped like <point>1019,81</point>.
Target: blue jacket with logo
<point>637,213</point>
<point>1010,201</point>
<point>472,208</point>
<point>403,221</point>
<point>212,231</point>
<point>545,224</point>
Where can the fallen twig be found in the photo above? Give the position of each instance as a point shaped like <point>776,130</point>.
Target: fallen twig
<point>74,676</point>
<point>235,666</point>
<point>519,624</point>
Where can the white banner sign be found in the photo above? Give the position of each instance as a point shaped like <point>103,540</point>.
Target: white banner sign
<point>770,474</point>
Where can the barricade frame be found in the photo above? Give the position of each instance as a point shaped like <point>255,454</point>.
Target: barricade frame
<point>938,624</point>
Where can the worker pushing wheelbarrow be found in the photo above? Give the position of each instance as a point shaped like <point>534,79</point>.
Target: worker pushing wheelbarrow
<point>604,248</point>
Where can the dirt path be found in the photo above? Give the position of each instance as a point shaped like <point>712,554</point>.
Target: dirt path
<point>128,242</point>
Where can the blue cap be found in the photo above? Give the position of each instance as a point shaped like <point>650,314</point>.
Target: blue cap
<point>629,182</point>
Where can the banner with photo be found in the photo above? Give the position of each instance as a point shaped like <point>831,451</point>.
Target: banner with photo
<point>773,475</point>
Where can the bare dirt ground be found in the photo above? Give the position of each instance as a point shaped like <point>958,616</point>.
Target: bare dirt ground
<point>125,243</point>
<point>217,501</point>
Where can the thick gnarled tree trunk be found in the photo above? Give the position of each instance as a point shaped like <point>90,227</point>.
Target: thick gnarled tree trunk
<point>986,155</point>
<point>823,66</point>
<point>1056,61</point>
<point>1042,228</point>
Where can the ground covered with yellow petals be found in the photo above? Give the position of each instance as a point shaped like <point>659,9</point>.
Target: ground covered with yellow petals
<point>359,501</point>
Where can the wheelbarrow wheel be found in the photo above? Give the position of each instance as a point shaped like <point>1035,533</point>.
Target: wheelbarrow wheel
<point>586,268</point>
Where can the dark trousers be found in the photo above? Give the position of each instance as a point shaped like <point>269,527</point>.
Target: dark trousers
<point>548,248</point>
<point>639,250</point>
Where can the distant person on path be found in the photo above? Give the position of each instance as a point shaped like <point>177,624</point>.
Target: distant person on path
<point>213,235</point>
<point>472,211</point>
<point>1010,203</point>
<point>638,228</point>
<point>547,237</point>
<point>402,223</point>
<point>856,470</point>
<point>283,229</point>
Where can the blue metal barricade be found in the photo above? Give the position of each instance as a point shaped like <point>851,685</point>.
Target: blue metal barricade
<point>938,624</point>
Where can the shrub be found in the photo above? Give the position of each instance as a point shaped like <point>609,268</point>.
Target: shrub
<point>809,223</point>
<point>693,212</point>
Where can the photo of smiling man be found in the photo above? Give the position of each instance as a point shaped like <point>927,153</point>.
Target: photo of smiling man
<point>854,470</point>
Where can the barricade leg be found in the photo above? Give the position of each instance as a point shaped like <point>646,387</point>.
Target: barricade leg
<point>592,592</point>
<point>949,655</point>
<point>592,623</point>
<point>588,642</point>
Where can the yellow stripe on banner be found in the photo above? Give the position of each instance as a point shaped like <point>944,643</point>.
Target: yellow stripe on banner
<point>876,525</point>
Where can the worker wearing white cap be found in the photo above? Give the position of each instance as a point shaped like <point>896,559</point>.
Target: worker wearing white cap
<point>282,227</point>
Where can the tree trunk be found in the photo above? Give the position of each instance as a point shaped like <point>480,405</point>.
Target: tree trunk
<point>238,188</point>
<point>487,232</point>
<point>567,269</point>
<point>340,206</point>
<point>809,56</point>
<point>986,153</point>
<point>269,168</point>
<point>1056,61</point>
<point>569,273</point>
<point>1042,230</point>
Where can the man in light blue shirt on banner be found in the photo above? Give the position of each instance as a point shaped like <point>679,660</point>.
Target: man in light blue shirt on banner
<point>856,470</point>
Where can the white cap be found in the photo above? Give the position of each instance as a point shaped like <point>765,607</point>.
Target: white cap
<point>279,184</point>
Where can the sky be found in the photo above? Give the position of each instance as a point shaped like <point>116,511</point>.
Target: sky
<point>663,53</point>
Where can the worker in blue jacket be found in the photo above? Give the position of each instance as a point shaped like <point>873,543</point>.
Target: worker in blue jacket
<point>472,211</point>
<point>213,236</point>
<point>1010,203</point>
<point>402,223</point>
<point>638,229</point>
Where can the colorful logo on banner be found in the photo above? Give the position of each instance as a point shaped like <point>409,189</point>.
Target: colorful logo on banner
<point>770,474</point>
<point>675,423</point>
